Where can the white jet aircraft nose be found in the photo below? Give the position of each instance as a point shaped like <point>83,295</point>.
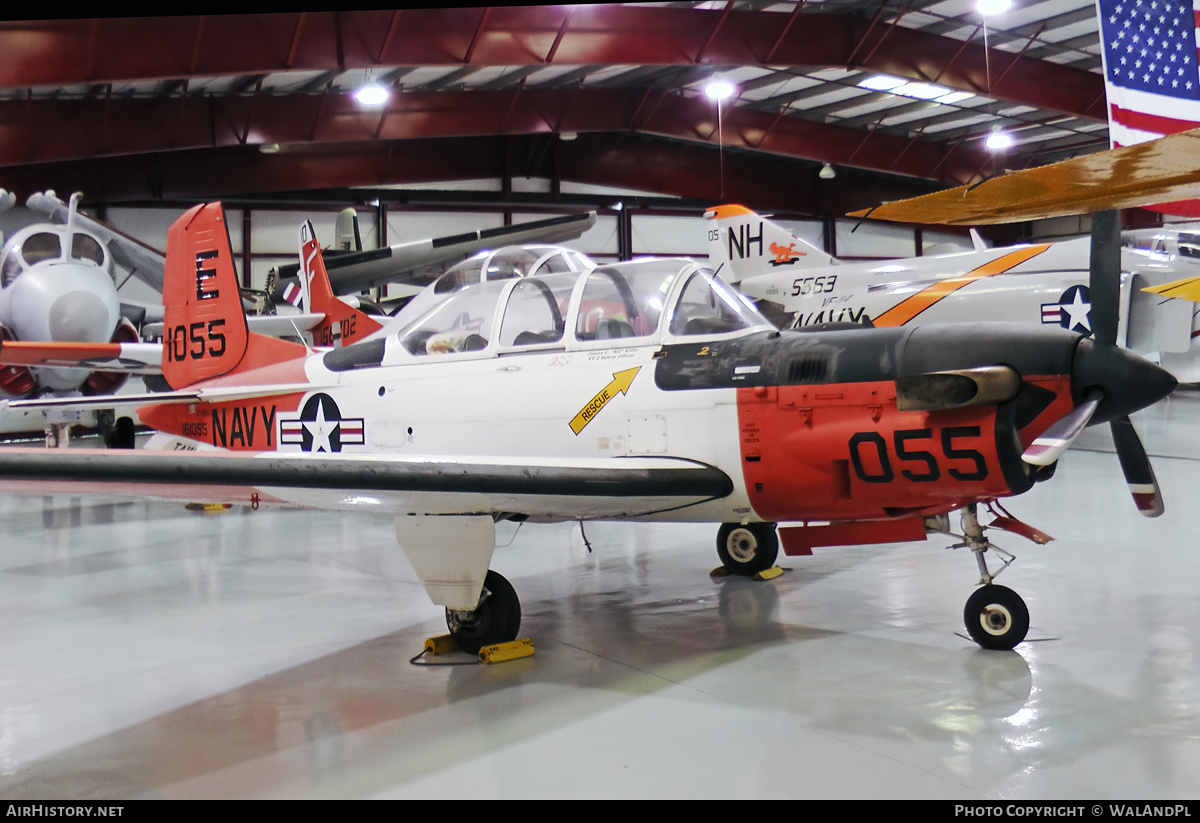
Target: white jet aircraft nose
<point>62,302</point>
<point>80,316</point>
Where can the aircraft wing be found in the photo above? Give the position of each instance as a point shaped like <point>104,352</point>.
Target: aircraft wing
<point>549,488</point>
<point>142,261</point>
<point>1186,289</point>
<point>1157,171</point>
<point>404,263</point>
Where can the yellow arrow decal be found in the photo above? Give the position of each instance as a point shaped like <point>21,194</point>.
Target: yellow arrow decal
<point>620,384</point>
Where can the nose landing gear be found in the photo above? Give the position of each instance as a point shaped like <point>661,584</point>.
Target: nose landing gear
<point>995,616</point>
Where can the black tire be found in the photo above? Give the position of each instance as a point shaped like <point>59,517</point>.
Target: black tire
<point>496,619</point>
<point>749,549</point>
<point>124,435</point>
<point>996,617</point>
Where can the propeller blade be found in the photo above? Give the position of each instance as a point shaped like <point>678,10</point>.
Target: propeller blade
<point>1058,438</point>
<point>1143,485</point>
<point>1104,276</point>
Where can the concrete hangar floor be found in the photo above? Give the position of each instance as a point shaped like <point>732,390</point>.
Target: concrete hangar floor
<point>148,651</point>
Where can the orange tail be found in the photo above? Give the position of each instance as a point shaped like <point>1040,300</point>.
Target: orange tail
<point>343,324</point>
<point>204,327</point>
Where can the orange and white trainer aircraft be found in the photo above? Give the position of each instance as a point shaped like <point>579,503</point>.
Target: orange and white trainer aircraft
<point>641,391</point>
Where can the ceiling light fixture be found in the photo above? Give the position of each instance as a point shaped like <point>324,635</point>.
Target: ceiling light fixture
<point>827,172</point>
<point>372,94</point>
<point>998,140</point>
<point>993,6</point>
<point>719,89</point>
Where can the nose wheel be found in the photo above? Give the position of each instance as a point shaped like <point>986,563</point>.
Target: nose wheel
<point>996,617</point>
<point>496,619</point>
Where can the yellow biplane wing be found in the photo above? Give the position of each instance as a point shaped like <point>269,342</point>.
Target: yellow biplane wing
<point>1158,171</point>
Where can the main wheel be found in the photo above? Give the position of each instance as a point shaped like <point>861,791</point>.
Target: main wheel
<point>749,549</point>
<point>496,619</point>
<point>996,617</point>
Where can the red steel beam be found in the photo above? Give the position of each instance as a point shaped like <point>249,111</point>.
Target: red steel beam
<point>621,161</point>
<point>53,130</point>
<point>63,52</point>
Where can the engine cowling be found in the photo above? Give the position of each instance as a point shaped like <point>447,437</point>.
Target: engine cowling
<point>107,382</point>
<point>845,451</point>
<point>16,382</point>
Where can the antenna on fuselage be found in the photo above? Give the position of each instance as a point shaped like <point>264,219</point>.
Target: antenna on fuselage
<point>72,208</point>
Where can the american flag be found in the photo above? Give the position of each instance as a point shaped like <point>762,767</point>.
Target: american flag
<point>1151,73</point>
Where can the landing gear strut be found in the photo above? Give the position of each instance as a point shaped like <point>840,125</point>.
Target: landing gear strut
<point>995,616</point>
<point>496,619</point>
<point>749,549</point>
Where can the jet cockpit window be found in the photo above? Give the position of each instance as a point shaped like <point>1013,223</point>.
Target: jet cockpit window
<point>466,273</point>
<point>41,246</point>
<point>84,247</point>
<point>554,264</point>
<point>510,262</point>
<point>462,323</point>
<point>708,306</point>
<point>534,313</point>
<point>10,267</point>
<point>626,300</point>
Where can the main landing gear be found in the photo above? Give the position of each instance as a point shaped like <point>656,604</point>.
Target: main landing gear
<point>749,549</point>
<point>496,619</point>
<point>995,616</point>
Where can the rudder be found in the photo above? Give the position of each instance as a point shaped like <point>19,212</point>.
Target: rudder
<point>204,327</point>
<point>745,244</point>
<point>343,324</point>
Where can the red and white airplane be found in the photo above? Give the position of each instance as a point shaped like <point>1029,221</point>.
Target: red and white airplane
<point>642,391</point>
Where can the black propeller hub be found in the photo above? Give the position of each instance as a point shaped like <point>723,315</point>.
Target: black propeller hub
<point>1128,382</point>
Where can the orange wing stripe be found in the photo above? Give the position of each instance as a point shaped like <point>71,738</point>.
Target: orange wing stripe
<point>901,313</point>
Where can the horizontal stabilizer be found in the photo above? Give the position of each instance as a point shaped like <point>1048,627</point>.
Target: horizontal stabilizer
<point>213,394</point>
<point>132,358</point>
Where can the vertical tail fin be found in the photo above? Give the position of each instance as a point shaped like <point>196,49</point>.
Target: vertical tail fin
<point>204,327</point>
<point>746,244</point>
<point>343,324</point>
<point>345,230</point>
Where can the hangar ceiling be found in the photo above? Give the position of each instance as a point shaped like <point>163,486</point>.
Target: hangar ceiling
<point>188,107</point>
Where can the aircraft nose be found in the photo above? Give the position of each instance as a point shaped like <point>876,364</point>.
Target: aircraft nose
<point>80,316</point>
<point>62,302</point>
<point>1129,382</point>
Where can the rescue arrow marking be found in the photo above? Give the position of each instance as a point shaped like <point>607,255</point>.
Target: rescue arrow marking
<point>620,383</point>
